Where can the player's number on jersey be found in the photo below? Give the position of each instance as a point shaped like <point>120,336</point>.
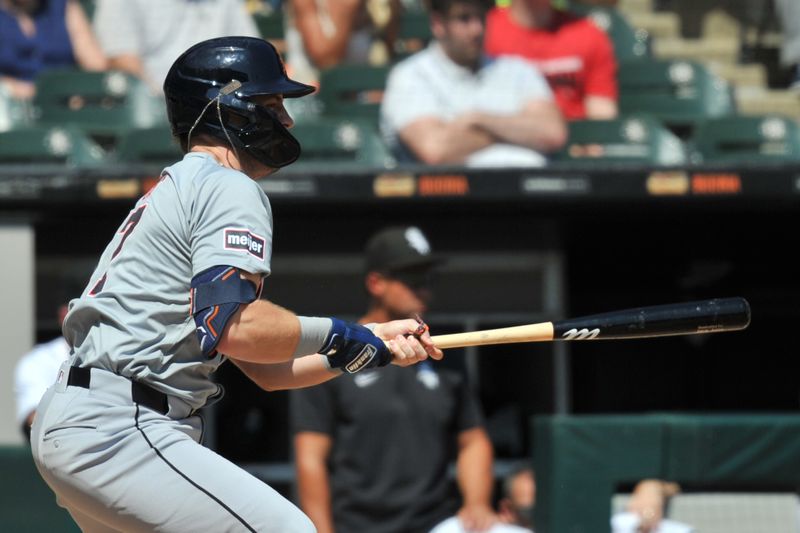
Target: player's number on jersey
<point>126,229</point>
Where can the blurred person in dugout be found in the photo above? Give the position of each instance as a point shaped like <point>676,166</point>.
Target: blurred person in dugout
<point>646,509</point>
<point>373,449</point>
<point>451,104</point>
<point>515,513</point>
<point>575,55</point>
<point>144,37</point>
<point>35,372</point>
<point>38,35</point>
<point>323,33</point>
<point>519,497</point>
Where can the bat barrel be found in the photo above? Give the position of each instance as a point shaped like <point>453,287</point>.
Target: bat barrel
<point>707,316</point>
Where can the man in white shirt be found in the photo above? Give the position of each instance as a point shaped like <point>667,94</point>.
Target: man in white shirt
<point>646,508</point>
<point>144,37</point>
<point>515,507</point>
<point>451,104</point>
<point>34,372</point>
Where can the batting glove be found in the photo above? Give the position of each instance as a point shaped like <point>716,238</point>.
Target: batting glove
<point>353,347</point>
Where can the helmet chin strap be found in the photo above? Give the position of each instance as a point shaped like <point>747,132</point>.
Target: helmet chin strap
<point>231,86</point>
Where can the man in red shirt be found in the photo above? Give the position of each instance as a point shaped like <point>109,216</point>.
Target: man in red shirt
<point>575,56</point>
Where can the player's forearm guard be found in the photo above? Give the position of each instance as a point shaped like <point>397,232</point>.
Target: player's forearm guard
<point>216,296</point>
<point>353,347</point>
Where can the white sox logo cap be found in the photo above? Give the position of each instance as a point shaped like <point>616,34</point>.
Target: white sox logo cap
<point>398,248</point>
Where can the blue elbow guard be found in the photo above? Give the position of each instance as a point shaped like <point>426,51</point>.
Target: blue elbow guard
<point>353,347</point>
<point>215,296</point>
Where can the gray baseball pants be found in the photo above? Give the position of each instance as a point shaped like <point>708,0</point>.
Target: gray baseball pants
<point>119,466</point>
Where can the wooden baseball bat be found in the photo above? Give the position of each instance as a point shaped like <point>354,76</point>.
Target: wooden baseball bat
<point>687,318</point>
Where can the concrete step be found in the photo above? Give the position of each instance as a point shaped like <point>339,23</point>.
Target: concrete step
<point>704,50</point>
<point>635,6</point>
<point>717,24</point>
<point>751,75</point>
<point>769,39</point>
<point>659,25</point>
<point>751,101</point>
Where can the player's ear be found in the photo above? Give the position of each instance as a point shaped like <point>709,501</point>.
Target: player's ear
<point>375,284</point>
<point>437,22</point>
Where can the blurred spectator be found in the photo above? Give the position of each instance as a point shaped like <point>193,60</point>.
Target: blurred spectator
<point>453,525</point>
<point>450,104</point>
<point>519,497</point>
<point>646,509</point>
<point>516,506</point>
<point>373,448</point>
<point>323,33</point>
<point>789,15</point>
<point>576,57</point>
<point>35,372</point>
<point>37,35</point>
<point>144,37</point>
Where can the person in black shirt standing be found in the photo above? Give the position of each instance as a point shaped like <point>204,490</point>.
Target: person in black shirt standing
<point>372,450</point>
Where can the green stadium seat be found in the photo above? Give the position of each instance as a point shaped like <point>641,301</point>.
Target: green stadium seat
<point>49,145</point>
<point>270,26</point>
<point>740,139</point>
<point>414,32</point>
<point>630,44</point>
<point>26,503</point>
<point>353,91</point>
<point>329,143</point>
<point>14,113</point>
<point>150,145</point>
<point>101,103</point>
<point>632,139</point>
<point>88,7</point>
<point>679,93</point>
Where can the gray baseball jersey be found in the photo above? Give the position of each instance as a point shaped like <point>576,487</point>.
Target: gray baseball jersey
<point>133,318</point>
<point>113,463</point>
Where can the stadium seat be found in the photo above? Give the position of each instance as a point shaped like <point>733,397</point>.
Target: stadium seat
<point>353,91</point>
<point>14,113</point>
<point>329,143</point>
<point>88,7</point>
<point>630,44</point>
<point>414,32</point>
<point>747,139</point>
<point>101,103</point>
<point>680,93</point>
<point>270,26</point>
<point>150,145</point>
<point>632,139</point>
<point>49,145</point>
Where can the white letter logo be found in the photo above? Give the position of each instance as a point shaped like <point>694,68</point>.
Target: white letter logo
<point>417,241</point>
<point>581,334</point>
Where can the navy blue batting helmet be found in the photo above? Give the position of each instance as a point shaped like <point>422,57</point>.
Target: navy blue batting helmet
<point>229,71</point>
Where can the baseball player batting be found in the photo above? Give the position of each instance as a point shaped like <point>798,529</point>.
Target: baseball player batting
<point>175,295</point>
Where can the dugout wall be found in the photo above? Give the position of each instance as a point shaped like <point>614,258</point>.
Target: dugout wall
<point>581,460</point>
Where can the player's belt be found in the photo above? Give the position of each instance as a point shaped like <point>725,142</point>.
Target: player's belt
<point>140,393</point>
